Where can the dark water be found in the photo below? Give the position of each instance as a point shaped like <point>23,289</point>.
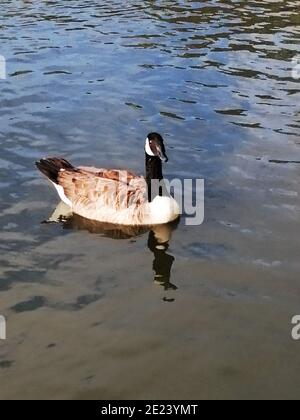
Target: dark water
<point>88,80</point>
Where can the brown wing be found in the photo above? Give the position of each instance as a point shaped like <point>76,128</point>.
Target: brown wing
<point>108,173</point>
<point>90,189</point>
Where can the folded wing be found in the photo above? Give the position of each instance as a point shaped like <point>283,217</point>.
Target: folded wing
<point>102,194</point>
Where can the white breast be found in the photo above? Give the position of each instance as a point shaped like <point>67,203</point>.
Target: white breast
<point>164,210</point>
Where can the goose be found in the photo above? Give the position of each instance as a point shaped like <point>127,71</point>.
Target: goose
<point>115,196</point>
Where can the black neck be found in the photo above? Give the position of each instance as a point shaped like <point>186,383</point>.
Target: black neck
<point>153,172</point>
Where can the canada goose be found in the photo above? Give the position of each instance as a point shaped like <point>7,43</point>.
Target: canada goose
<point>115,196</point>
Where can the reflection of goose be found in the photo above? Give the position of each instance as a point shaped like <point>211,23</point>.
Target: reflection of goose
<point>114,196</point>
<point>158,240</point>
<point>63,214</point>
<point>158,243</point>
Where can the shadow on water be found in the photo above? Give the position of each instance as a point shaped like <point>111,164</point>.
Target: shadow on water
<point>158,243</point>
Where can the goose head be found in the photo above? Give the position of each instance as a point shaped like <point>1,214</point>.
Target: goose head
<point>155,147</point>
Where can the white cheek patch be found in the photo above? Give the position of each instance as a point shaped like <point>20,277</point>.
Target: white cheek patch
<point>148,148</point>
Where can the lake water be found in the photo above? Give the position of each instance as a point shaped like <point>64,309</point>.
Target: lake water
<point>87,81</point>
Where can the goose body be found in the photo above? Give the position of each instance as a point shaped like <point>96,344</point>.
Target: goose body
<point>111,195</point>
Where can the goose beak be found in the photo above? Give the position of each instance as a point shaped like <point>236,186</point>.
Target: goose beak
<point>162,155</point>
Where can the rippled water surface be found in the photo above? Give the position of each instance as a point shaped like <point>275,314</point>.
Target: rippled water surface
<point>88,80</point>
